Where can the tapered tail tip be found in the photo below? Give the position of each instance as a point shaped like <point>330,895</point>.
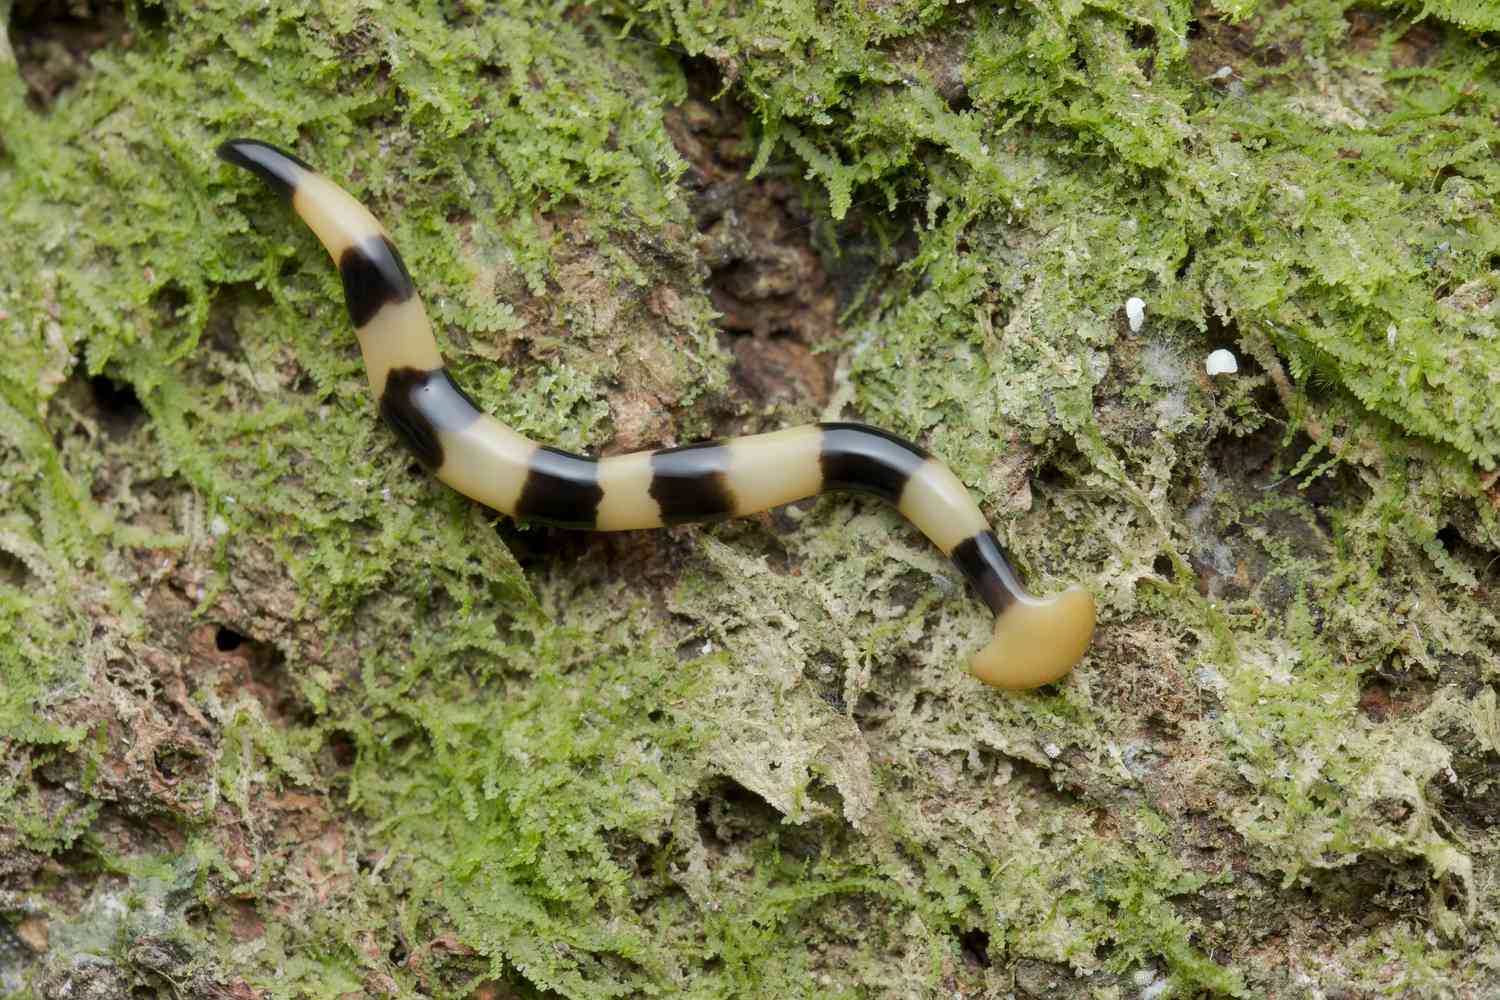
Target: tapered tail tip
<point>1036,643</point>
<point>276,167</point>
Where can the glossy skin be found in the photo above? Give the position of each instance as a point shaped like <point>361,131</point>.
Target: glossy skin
<point>1034,641</point>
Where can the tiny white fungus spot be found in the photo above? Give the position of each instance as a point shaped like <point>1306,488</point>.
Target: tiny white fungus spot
<point>1052,750</point>
<point>218,527</point>
<point>1221,73</point>
<point>1222,362</point>
<point>1390,336</point>
<point>1135,312</point>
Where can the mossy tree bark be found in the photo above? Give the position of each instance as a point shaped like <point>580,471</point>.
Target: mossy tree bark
<point>281,717</point>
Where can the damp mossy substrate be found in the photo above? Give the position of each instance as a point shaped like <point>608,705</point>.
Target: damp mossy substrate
<point>281,717</point>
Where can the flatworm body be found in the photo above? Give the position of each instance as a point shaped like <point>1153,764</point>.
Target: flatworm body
<point>1034,641</point>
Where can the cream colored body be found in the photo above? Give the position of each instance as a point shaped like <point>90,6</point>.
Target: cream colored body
<point>490,462</point>
<point>336,218</point>
<point>399,336</point>
<point>1034,641</point>
<point>940,506</point>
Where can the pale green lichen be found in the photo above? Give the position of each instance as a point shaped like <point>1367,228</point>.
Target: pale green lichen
<point>756,767</point>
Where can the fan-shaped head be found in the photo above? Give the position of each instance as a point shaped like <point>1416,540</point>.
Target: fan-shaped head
<point>1037,640</point>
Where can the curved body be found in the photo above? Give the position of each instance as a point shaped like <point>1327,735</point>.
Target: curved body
<point>1034,641</point>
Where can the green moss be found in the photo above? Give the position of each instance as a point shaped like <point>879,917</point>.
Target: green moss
<point>1476,17</point>
<point>753,765</point>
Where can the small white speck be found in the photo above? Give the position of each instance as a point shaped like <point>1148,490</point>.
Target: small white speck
<point>385,494</point>
<point>1135,312</point>
<point>708,647</point>
<point>1223,72</point>
<point>1156,989</point>
<point>1390,336</point>
<point>1144,977</point>
<point>1222,362</point>
<point>1052,750</point>
<point>229,500</point>
<point>218,527</point>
